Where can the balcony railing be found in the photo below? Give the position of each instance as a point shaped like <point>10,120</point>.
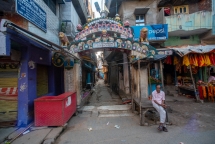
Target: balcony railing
<point>188,22</point>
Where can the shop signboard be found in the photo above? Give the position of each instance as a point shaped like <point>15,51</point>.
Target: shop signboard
<point>32,12</point>
<point>157,32</point>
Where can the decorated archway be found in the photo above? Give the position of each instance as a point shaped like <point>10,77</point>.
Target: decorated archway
<point>111,34</point>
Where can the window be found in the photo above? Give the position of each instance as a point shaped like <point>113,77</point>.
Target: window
<point>181,9</point>
<point>51,4</point>
<point>140,20</point>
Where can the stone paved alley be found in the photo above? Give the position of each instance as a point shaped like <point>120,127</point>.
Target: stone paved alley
<point>193,123</point>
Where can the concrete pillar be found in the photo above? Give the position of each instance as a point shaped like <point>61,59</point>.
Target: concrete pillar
<point>125,73</point>
<point>77,81</point>
<point>144,82</point>
<point>69,80</point>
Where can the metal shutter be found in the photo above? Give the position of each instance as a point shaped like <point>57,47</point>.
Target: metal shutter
<point>42,80</point>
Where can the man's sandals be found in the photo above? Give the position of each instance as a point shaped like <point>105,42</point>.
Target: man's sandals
<point>162,128</point>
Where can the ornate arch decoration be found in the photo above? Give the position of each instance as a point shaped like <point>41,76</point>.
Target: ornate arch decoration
<point>108,33</point>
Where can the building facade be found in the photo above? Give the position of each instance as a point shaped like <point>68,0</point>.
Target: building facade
<point>31,67</point>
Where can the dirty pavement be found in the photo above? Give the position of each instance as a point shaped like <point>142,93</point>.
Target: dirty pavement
<point>105,120</point>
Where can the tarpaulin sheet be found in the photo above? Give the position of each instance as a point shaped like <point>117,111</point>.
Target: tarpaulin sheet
<point>201,49</point>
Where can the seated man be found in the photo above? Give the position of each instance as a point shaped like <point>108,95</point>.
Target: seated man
<point>211,78</point>
<point>158,98</point>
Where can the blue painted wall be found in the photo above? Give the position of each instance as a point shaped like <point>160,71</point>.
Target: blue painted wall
<point>27,86</point>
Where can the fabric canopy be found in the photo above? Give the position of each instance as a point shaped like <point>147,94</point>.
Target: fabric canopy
<point>193,49</point>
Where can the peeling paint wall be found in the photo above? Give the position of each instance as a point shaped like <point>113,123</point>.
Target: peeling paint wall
<point>77,82</point>
<point>69,80</point>
<point>143,82</point>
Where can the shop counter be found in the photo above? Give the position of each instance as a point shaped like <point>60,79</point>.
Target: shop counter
<point>54,110</point>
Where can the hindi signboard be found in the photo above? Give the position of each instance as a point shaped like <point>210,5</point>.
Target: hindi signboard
<point>32,12</point>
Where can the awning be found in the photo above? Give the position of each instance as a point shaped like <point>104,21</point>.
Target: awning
<point>140,11</point>
<point>7,26</point>
<point>201,49</point>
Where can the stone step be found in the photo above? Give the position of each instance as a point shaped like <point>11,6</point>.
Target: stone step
<point>172,92</point>
<point>114,107</point>
<point>109,111</point>
<point>115,111</point>
<point>116,114</point>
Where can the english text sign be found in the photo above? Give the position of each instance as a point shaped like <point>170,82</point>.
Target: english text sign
<point>155,32</point>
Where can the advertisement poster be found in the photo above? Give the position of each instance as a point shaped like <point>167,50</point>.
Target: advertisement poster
<point>155,32</point>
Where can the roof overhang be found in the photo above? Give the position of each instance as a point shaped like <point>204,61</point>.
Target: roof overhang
<point>8,27</point>
<point>140,11</point>
<point>201,49</point>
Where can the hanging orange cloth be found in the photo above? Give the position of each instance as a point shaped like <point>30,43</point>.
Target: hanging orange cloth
<point>204,91</point>
<point>195,59</point>
<point>175,60</point>
<point>191,59</point>
<point>212,58</point>
<point>214,90</point>
<point>210,93</point>
<point>186,61</point>
<point>207,60</point>
<point>201,60</point>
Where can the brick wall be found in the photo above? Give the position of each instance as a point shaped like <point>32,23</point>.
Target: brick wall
<point>202,5</point>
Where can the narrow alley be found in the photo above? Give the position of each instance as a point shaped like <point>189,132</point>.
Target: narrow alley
<point>107,72</point>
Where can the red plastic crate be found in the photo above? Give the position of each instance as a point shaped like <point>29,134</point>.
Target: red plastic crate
<point>54,110</point>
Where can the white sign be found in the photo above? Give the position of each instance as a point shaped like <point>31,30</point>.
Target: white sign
<point>69,101</point>
<point>105,44</point>
<point>3,46</point>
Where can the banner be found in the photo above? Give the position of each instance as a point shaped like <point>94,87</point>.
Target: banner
<point>155,32</point>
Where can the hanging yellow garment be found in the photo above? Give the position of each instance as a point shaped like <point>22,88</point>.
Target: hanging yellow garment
<point>207,60</point>
<point>186,61</point>
<point>175,60</point>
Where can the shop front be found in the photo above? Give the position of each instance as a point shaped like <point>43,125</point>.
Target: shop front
<point>26,73</point>
<point>194,66</point>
